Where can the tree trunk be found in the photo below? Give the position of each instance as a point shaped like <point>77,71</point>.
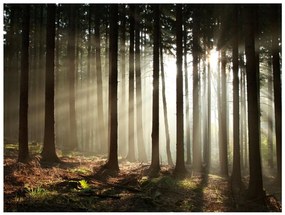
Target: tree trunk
<point>72,66</point>
<point>49,153</point>
<point>23,155</point>
<point>255,189</point>
<point>197,156</point>
<point>102,141</point>
<point>236,174</point>
<point>123,119</point>
<point>142,157</point>
<point>112,163</point>
<point>180,164</point>
<point>167,136</point>
<point>277,86</point>
<point>224,138</point>
<point>270,117</point>
<point>155,167</point>
<point>187,100</point>
<point>131,150</point>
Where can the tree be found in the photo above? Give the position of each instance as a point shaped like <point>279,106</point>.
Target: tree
<point>49,153</point>
<point>187,100</point>
<point>236,173</point>
<point>180,164</point>
<point>255,189</point>
<point>197,157</point>
<point>72,65</point>
<point>154,166</point>
<point>140,137</point>
<point>131,151</point>
<point>168,151</point>
<point>112,163</point>
<point>100,107</point>
<point>277,85</point>
<point>223,123</point>
<point>23,155</point>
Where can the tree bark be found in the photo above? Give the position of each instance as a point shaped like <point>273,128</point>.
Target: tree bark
<point>255,189</point>
<point>23,155</point>
<point>49,153</point>
<point>236,173</point>
<point>112,163</point>
<point>155,167</point>
<point>142,157</point>
<point>131,151</point>
<point>72,70</point>
<point>180,164</point>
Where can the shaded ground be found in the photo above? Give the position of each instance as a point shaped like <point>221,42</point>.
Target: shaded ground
<point>75,185</point>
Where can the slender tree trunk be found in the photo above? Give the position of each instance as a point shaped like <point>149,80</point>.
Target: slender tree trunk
<point>100,103</point>
<point>131,150</point>
<point>277,86</point>
<point>23,155</point>
<point>236,173</point>
<point>208,153</point>
<point>140,135</point>
<point>112,163</point>
<point>123,120</point>
<point>180,163</point>
<point>270,117</point>
<point>155,167</point>
<point>255,189</point>
<point>224,138</point>
<point>49,153</point>
<point>72,66</point>
<point>187,100</point>
<point>197,153</point>
<point>168,151</point>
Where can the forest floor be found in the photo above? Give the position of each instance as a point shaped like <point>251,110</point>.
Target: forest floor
<point>75,185</point>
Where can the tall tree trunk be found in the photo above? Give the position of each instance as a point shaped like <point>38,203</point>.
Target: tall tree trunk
<point>49,153</point>
<point>123,120</point>
<point>23,155</point>
<point>236,173</point>
<point>224,138</point>
<point>112,163</point>
<point>140,137</point>
<point>277,85</point>
<point>168,151</point>
<point>187,100</point>
<point>197,156</point>
<point>102,141</point>
<point>255,189</point>
<point>131,150</point>
<point>155,167</point>
<point>180,164</point>
<point>72,66</point>
<point>209,96</point>
<point>270,117</point>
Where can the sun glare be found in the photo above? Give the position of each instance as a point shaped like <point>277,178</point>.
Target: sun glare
<point>214,57</point>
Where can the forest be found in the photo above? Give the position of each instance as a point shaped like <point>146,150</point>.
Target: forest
<point>142,107</point>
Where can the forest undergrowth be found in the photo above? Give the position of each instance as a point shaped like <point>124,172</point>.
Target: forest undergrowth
<point>77,185</point>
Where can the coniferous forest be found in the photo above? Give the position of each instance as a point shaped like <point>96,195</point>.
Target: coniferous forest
<point>142,107</point>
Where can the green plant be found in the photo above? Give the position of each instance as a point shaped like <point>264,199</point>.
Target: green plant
<point>84,185</point>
